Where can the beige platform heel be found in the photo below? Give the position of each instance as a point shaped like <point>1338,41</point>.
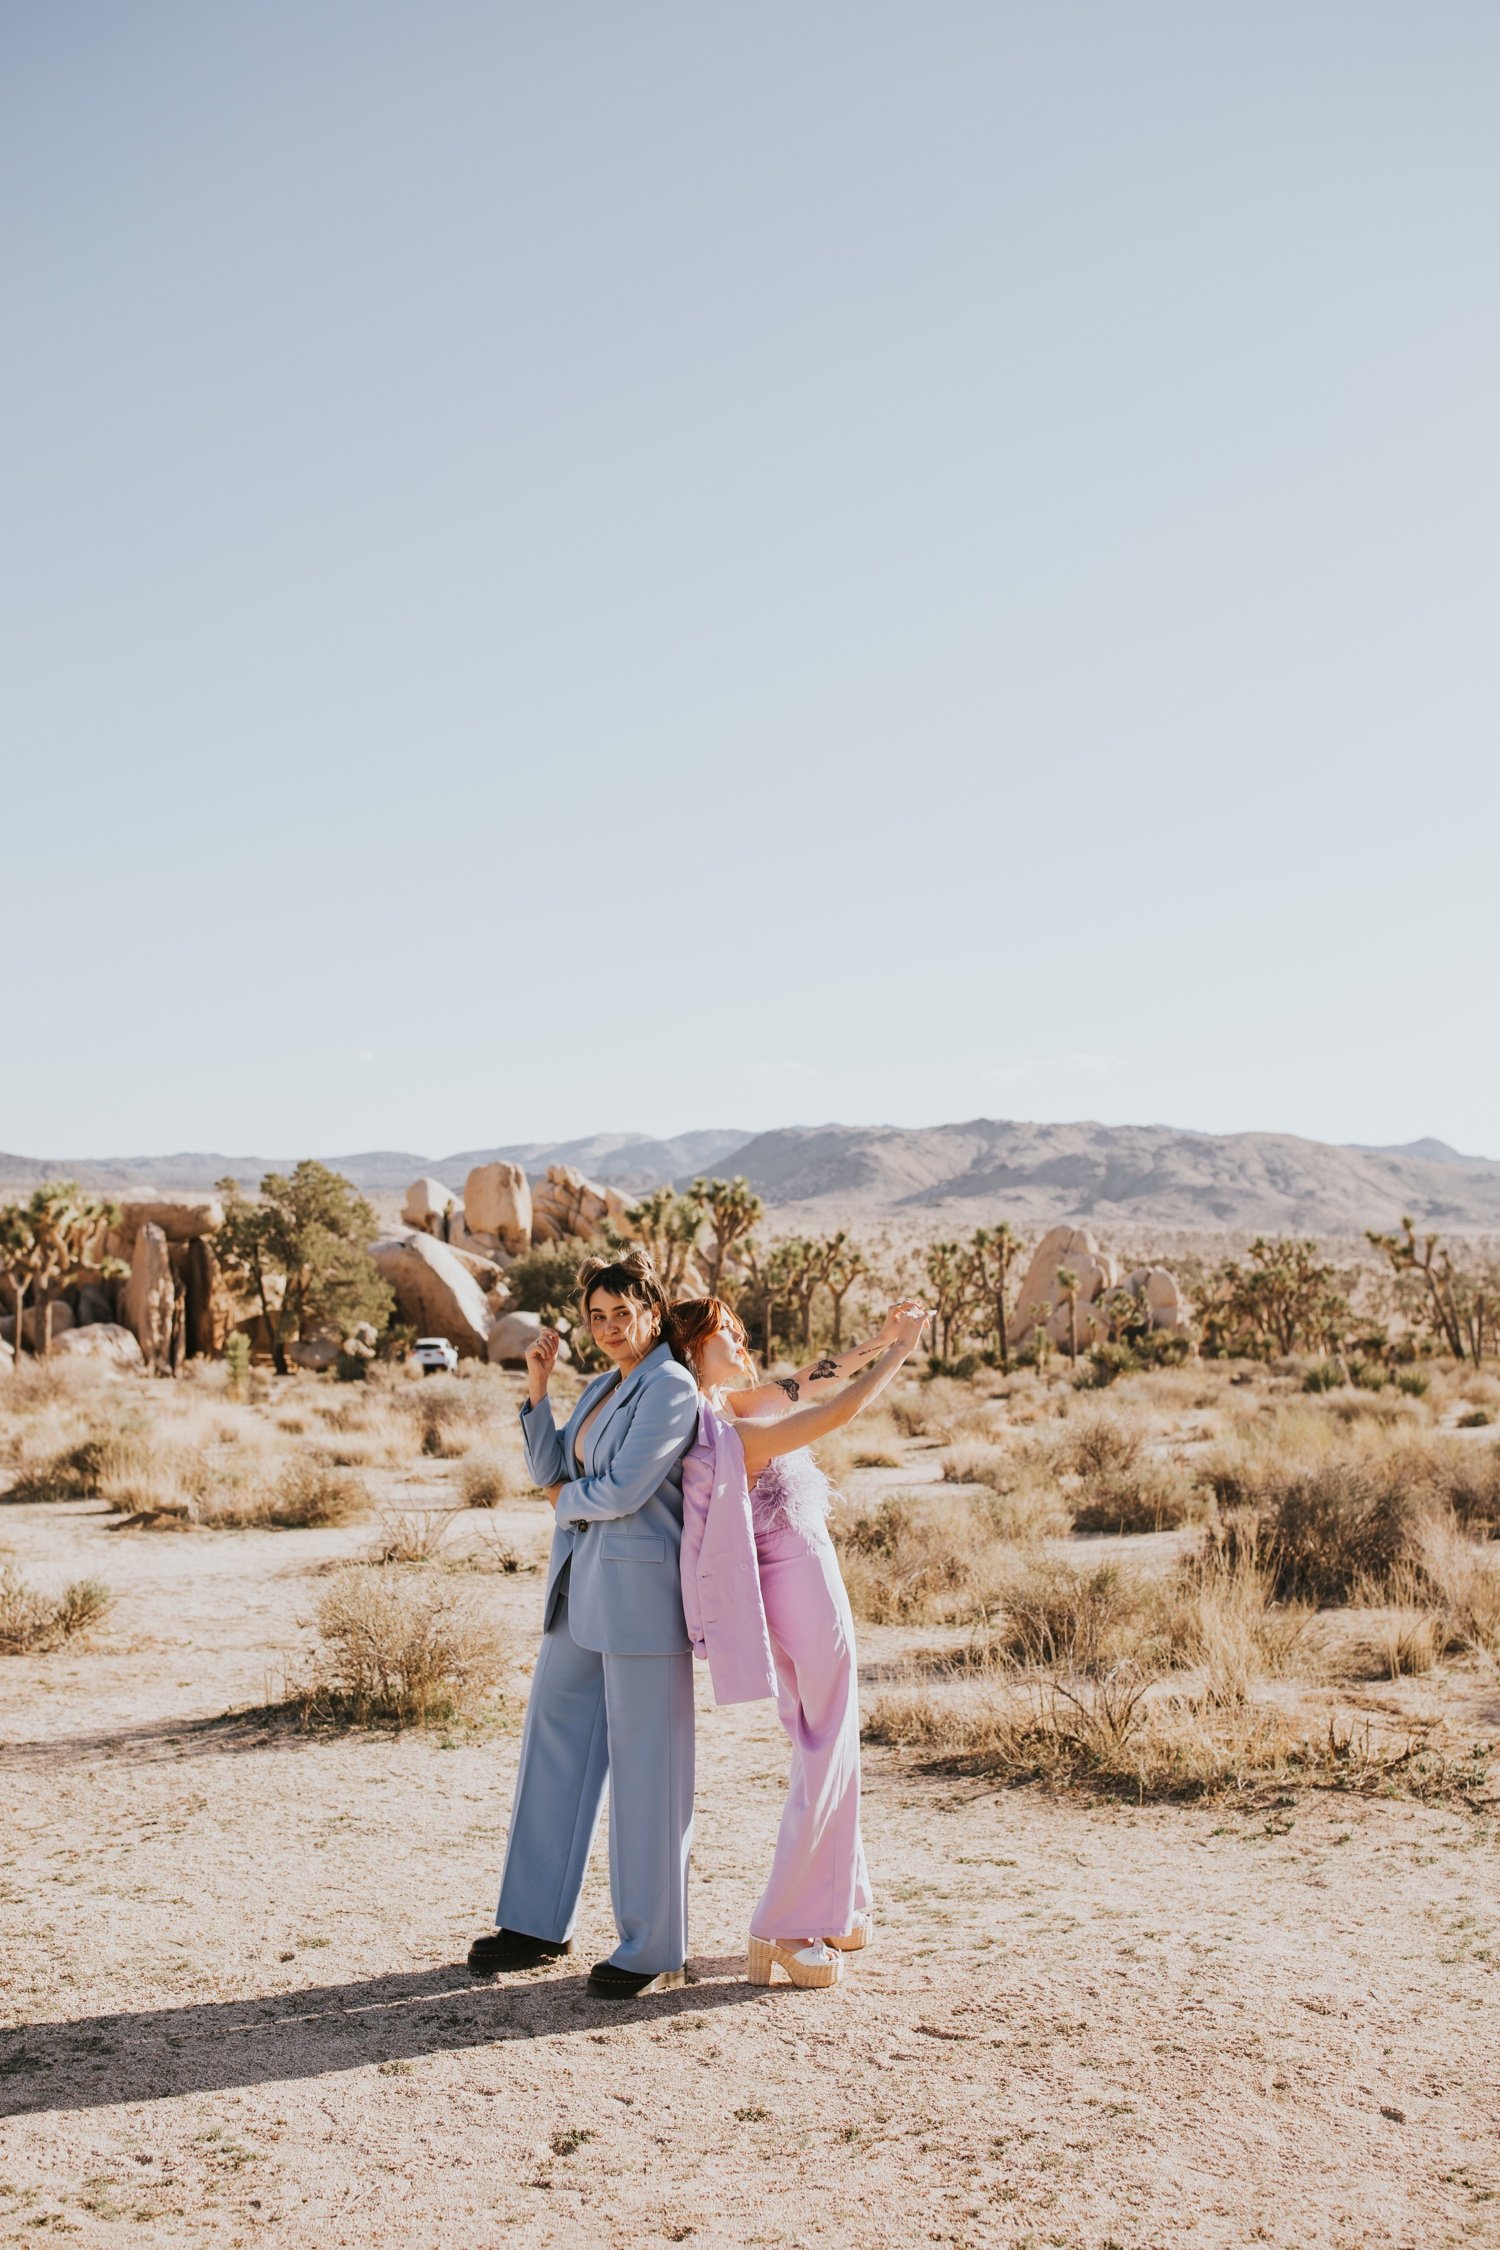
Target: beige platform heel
<point>858,1935</point>
<point>814,1966</point>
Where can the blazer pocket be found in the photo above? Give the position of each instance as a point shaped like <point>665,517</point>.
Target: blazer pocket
<point>621,1546</point>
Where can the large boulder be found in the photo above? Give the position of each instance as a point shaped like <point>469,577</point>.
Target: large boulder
<point>102,1340</point>
<point>1073,1249</point>
<point>512,1337</point>
<point>95,1304</point>
<point>428,1203</point>
<point>31,1323</point>
<point>316,1352</point>
<point>497,1201</point>
<point>567,1207</point>
<point>1161,1294</point>
<point>181,1218</point>
<point>209,1308</point>
<point>435,1291</point>
<point>149,1294</point>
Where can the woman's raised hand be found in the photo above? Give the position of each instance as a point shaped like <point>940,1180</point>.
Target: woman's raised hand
<point>541,1358</point>
<point>906,1321</point>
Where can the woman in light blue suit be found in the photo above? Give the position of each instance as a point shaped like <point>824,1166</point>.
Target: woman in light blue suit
<point>612,1694</point>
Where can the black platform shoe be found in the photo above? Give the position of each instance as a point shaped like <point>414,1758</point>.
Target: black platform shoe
<point>629,1984</point>
<point>513,1949</point>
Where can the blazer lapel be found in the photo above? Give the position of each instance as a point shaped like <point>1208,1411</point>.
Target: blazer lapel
<point>588,1399</point>
<point>625,1390</point>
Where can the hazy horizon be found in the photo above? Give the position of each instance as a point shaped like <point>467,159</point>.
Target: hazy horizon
<point>682,562</point>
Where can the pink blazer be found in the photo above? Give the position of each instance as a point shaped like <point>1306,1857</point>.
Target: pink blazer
<point>721,1599</point>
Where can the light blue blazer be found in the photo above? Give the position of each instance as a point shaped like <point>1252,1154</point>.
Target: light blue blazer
<point>620,1523</point>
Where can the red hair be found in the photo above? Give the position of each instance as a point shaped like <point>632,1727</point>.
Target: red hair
<point>695,1319</point>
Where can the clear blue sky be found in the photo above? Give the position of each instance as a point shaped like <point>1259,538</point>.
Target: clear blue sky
<point>584,566</point>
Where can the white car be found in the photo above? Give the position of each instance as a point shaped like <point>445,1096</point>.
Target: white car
<point>434,1355</point>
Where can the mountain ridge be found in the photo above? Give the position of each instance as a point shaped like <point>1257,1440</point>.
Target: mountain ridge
<point>951,1175</point>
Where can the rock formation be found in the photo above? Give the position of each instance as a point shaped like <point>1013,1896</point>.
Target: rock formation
<point>497,1206</point>
<point>565,1205</point>
<point>181,1218</point>
<point>31,1323</point>
<point>149,1295</point>
<point>435,1291</point>
<point>1073,1249</point>
<point>103,1340</point>
<point>1161,1294</point>
<point>512,1336</point>
<point>428,1203</point>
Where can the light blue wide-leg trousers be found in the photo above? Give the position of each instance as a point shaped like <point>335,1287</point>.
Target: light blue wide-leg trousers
<point>592,1717</point>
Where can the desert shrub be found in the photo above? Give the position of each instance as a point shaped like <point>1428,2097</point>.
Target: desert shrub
<point>545,1280</point>
<point>87,1469</point>
<point>1151,1496</point>
<point>936,1409</point>
<point>918,1557</point>
<point>399,1649</point>
<point>1113,1736</point>
<point>1477,1418</point>
<point>444,1416</point>
<point>1413,1382</point>
<point>1022,1496</point>
<point>488,1478</point>
<point>32,1623</point>
<point>1325,1375</point>
<point>1330,1533</point>
<point>309,1494</point>
<point>237,1363</point>
<point>1084,1620</point>
<point>411,1535</point>
<point>1464,1580</point>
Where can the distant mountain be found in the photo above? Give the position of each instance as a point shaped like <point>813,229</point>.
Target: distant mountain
<point>632,1161</point>
<point>1435,1152</point>
<point>950,1175</point>
<point>1155,1175</point>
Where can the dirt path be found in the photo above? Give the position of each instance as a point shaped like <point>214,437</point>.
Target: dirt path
<point>230,1960</point>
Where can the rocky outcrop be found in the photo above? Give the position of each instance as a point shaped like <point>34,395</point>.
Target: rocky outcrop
<point>1074,1250</point>
<point>181,1218</point>
<point>94,1304</point>
<point>209,1308</point>
<point>435,1291</point>
<point>565,1206</point>
<point>149,1295</point>
<point>497,1203</point>
<point>1160,1293</point>
<point>32,1323</point>
<point>102,1340</point>
<point>428,1203</point>
<point>511,1338</point>
<point>316,1352</point>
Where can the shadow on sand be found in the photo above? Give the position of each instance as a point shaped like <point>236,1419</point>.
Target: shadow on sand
<point>95,2062</point>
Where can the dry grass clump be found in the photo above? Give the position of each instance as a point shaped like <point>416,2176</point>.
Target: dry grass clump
<point>87,1469</point>
<point>412,1535</point>
<point>403,1650</point>
<point>309,1494</point>
<point>944,1409</point>
<point>488,1478</point>
<point>917,1556</point>
<point>1112,1736</point>
<point>32,1623</point>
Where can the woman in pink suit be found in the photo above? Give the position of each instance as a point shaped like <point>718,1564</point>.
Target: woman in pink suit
<point>766,1605</point>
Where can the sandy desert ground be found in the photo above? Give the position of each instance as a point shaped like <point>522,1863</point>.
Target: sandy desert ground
<point>235,2003</point>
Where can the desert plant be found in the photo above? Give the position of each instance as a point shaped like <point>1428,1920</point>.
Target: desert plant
<point>1285,1299</point>
<point>33,1623</point>
<point>402,1649</point>
<point>302,1251</point>
<point>237,1363</point>
<point>1460,1309</point>
<point>733,1214</point>
<point>411,1535</point>
<point>918,1557</point>
<point>488,1478</point>
<point>993,1251</point>
<point>50,1242</point>
<point>309,1494</point>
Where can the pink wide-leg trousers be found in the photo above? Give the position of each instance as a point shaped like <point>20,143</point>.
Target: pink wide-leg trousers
<point>818,1878</point>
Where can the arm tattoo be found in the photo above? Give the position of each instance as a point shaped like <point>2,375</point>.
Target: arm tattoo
<point>824,1372</point>
<point>790,1385</point>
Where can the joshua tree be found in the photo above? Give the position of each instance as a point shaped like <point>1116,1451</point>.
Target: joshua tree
<point>49,1243</point>
<point>992,1253</point>
<point>733,1211</point>
<point>668,1225</point>
<point>847,1266</point>
<point>1067,1282</point>
<point>1460,1310</point>
<point>948,1278</point>
<point>1285,1298</point>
